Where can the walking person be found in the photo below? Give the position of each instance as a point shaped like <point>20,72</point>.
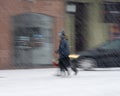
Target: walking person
<point>63,51</point>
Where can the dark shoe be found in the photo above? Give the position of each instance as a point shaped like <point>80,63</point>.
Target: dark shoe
<point>76,72</point>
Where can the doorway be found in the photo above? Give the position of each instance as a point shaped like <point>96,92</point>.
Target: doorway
<point>81,26</point>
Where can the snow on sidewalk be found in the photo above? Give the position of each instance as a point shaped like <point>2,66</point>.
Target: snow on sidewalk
<point>42,82</point>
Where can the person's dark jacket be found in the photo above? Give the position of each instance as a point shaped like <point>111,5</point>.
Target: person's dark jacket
<point>63,48</point>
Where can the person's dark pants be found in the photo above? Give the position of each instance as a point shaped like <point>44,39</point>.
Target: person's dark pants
<point>64,63</point>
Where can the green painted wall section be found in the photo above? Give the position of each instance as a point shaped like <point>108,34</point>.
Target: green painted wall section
<point>70,30</point>
<point>96,32</point>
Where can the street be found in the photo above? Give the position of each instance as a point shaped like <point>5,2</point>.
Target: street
<point>43,82</point>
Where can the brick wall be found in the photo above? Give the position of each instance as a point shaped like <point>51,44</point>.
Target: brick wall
<point>9,8</point>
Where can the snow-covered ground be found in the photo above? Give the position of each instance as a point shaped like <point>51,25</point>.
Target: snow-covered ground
<point>42,82</point>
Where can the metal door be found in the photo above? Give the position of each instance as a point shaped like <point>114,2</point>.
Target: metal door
<point>32,39</point>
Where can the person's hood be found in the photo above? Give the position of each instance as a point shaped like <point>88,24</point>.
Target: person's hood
<point>62,35</point>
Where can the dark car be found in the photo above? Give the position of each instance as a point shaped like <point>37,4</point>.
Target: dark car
<point>107,55</point>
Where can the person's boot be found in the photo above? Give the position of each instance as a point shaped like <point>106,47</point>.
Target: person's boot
<point>75,70</point>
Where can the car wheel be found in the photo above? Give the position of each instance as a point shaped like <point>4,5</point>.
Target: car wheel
<point>88,64</point>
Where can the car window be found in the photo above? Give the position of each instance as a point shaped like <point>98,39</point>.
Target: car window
<point>115,44</point>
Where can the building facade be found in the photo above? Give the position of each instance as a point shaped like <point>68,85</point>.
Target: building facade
<point>91,22</point>
<point>30,28</point>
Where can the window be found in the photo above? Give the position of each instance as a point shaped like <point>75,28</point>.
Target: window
<point>112,12</point>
